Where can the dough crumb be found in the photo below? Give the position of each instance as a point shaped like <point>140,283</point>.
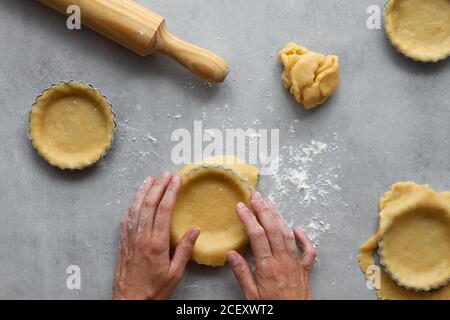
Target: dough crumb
<point>309,76</point>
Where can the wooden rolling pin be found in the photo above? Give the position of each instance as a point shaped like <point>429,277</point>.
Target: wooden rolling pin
<point>144,32</point>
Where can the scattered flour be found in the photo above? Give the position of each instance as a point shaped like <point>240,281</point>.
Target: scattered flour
<point>207,84</point>
<point>302,173</point>
<point>315,230</point>
<point>151,138</point>
<point>303,179</point>
<point>189,86</point>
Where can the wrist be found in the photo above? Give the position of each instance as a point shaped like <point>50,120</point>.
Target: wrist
<point>125,294</point>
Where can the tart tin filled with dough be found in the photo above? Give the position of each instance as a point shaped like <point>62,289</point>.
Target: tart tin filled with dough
<point>207,200</point>
<point>413,242</point>
<point>420,29</point>
<point>71,125</point>
<point>415,246</point>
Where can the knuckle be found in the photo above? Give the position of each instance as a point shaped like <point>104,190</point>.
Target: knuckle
<point>267,270</point>
<point>270,230</point>
<point>265,262</point>
<point>165,207</point>
<point>260,206</point>
<point>257,233</point>
<point>155,250</point>
<point>150,203</point>
<point>265,206</point>
<point>156,247</point>
<point>140,245</point>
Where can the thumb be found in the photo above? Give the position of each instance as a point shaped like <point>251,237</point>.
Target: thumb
<point>309,253</point>
<point>243,275</point>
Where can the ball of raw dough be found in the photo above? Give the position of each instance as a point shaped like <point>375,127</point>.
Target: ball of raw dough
<point>310,77</point>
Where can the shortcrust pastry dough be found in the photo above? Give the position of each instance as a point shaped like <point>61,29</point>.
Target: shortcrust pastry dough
<point>207,199</point>
<point>310,77</point>
<point>414,235</point>
<point>420,29</point>
<point>71,125</point>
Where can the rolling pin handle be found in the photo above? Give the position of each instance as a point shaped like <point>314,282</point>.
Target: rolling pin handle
<point>199,61</point>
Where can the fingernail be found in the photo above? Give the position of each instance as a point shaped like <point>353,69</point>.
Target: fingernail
<point>241,206</point>
<point>232,258</point>
<point>147,181</point>
<point>176,179</point>
<point>166,174</point>
<point>193,234</point>
<point>257,195</point>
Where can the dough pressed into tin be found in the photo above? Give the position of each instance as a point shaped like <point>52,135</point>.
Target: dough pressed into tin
<point>71,125</point>
<point>207,200</point>
<point>413,241</point>
<point>309,76</point>
<point>420,29</point>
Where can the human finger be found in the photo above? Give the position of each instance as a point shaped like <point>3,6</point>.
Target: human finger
<point>288,235</point>
<point>164,213</point>
<point>258,239</point>
<point>150,204</point>
<point>271,226</point>
<point>243,275</point>
<point>131,220</point>
<point>183,252</point>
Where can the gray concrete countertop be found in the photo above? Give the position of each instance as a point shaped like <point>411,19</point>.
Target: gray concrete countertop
<point>388,122</point>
